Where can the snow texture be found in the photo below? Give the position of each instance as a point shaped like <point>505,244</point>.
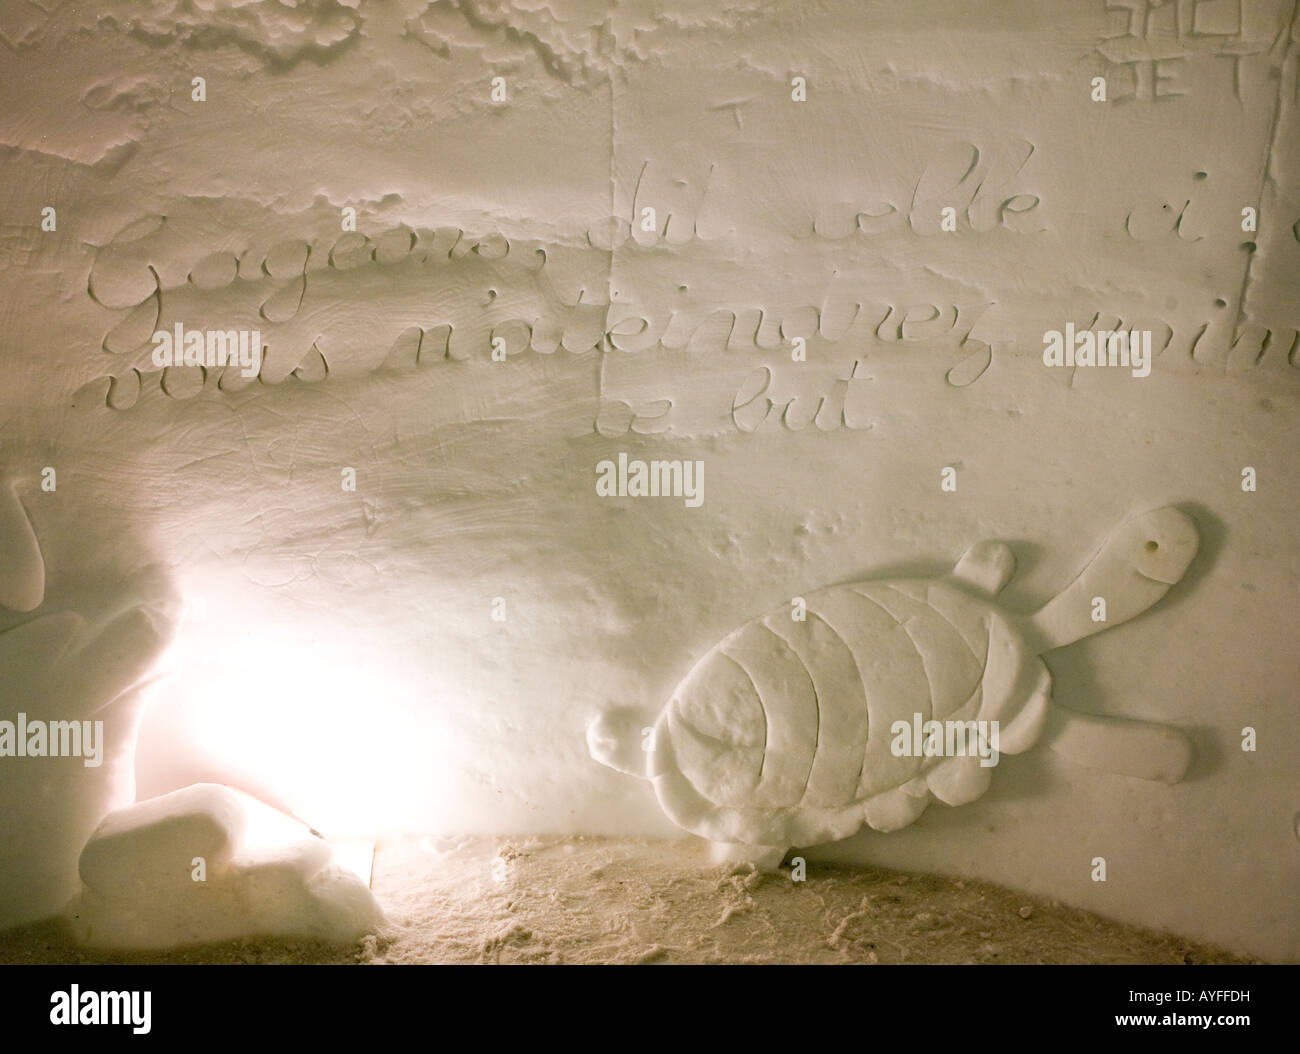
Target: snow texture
<point>469,298</point>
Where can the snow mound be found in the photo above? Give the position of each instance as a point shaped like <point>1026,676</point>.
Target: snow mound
<point>207,863</point>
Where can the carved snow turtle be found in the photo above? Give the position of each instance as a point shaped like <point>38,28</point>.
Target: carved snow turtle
<point>792,733</point>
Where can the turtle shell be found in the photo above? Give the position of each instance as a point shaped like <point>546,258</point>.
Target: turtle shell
<point>781,734</point>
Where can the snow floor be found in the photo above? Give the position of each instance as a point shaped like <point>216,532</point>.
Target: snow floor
<point>605,900</point>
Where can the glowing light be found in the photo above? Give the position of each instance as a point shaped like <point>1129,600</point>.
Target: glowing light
<point>356,855</point>
<point>299,710</point>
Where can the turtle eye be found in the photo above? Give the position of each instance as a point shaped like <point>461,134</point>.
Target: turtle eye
<point>1152,546</point>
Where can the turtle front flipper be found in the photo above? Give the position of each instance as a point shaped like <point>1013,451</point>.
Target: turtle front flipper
<point>1136,566</point>
<point>988,566</point>
<point>1119,745</point>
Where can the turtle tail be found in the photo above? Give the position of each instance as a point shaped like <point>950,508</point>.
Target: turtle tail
<point>615,738</point>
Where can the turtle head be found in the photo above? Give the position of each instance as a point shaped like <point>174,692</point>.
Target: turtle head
<point>614,739</point>
<point>1136,566</point>
<point>1159,545</point>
